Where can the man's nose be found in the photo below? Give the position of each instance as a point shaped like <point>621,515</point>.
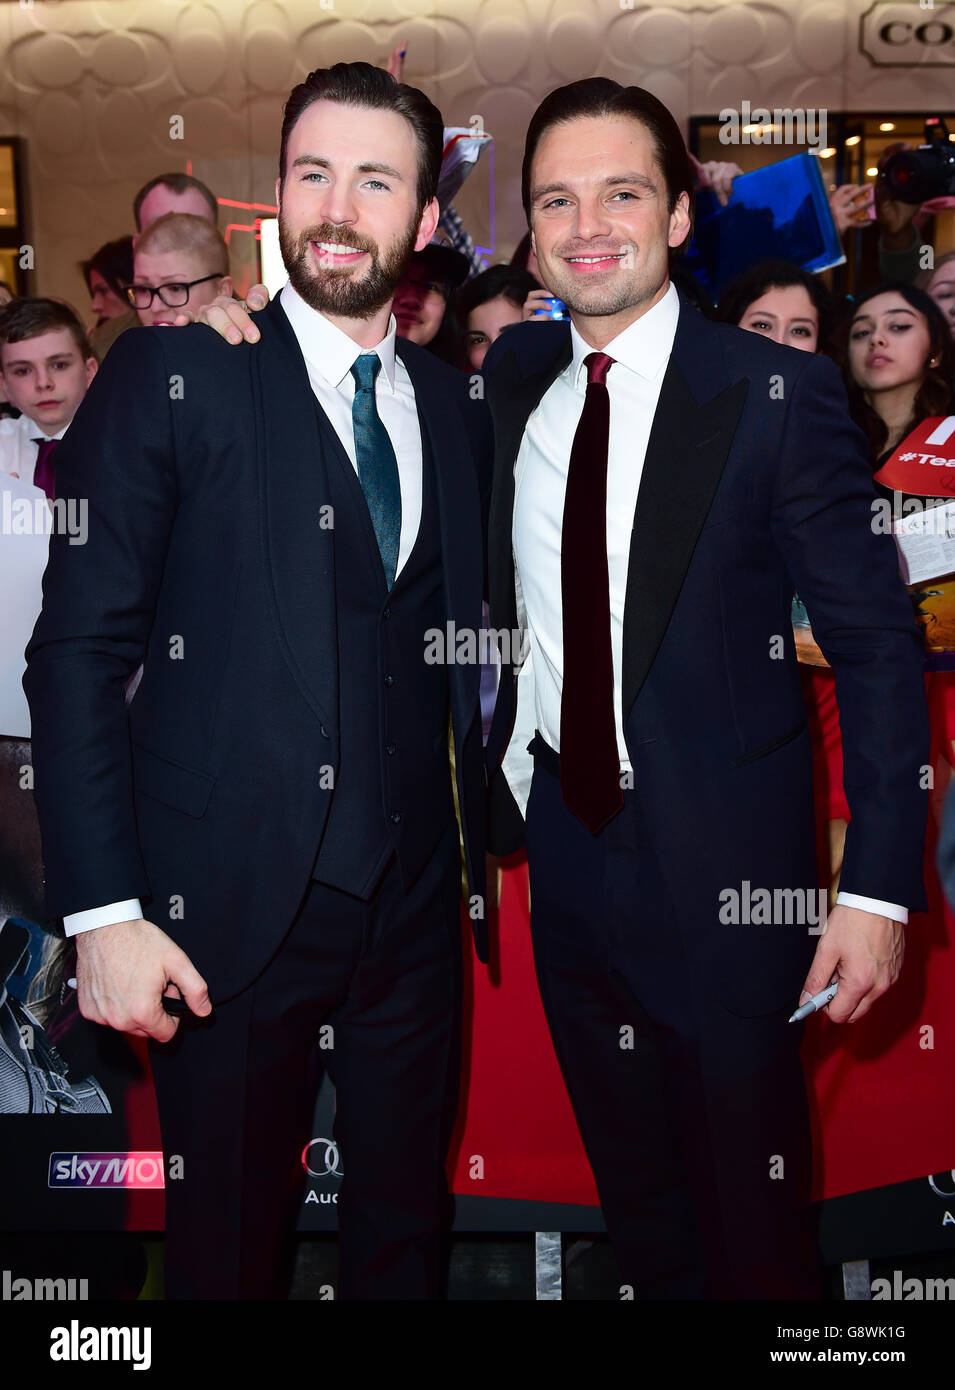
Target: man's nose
<point>338,206</point>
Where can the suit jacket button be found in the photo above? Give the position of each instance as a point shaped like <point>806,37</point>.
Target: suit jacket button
<point>395,817</point>
<point>386,613</point>
<point>389,680</point>
<point>391,749</point>
<point>325,733</point>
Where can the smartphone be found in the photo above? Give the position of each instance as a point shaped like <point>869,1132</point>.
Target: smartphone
<point>551,308</point>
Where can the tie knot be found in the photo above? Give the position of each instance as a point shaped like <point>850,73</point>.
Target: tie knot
<point>598,364</point>
<point>365,369</point>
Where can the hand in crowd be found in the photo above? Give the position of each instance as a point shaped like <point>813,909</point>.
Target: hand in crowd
<point>122,971</point>
<point>865,952</point>
<point>230,317</point>
<point>396,60</point>
<point>718,176</point>
<point>537,304</point>
<point>851,206</point>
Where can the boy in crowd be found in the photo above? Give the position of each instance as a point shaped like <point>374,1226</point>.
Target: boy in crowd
<point>180,262</point>
<point>46,366</point>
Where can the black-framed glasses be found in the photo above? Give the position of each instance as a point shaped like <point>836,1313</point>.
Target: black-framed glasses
<point>173,295</point>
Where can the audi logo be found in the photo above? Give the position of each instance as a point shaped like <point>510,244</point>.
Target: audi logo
<point>328,1156</point>
<point>943,1184</point>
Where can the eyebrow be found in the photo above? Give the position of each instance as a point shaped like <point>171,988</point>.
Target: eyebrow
<point>899,310</point>
<point>770,314</point>
<point>33,361</point>
<point>641,180</point>
<point>318,161</point>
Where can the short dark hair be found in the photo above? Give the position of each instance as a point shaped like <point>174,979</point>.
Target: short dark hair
<point>29,318</point>
<point>497,280</point>
<point>179,183</point>
<point>114,261</point>
<point>361,84</point>
<point>600,96</point>
<point>752,283</point>
<point>934,396</point>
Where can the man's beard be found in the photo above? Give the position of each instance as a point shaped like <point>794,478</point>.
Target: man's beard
<point>588,298</point>
<point>343,291</point>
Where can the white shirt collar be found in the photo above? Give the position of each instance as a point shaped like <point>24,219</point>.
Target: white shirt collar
<point>33,432</point>
<point>643,346</point>
<point>326,348</point>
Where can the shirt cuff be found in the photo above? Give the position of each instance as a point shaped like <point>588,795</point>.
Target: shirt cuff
<point>876,905</point>
<point>126,911</point>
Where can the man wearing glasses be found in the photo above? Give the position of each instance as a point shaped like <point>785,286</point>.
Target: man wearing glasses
<point>180,262</point>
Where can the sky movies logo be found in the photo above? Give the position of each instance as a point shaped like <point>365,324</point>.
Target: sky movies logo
<point>106,1170</point>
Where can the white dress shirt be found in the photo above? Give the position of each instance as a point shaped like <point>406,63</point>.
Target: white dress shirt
<point>18,451</point>
<point>641,353</point>
<point>329,354</point>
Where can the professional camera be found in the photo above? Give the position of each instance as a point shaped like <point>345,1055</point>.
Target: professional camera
<point>915,176</point>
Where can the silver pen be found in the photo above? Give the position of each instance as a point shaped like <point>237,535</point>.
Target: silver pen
<point>818,1001</point>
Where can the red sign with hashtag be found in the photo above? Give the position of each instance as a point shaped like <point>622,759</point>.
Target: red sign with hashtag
<point>924,463</point>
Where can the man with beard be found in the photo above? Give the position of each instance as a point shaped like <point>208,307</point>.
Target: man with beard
<point>270,833</point>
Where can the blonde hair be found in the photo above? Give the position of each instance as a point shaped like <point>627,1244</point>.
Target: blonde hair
<point>183,231</point>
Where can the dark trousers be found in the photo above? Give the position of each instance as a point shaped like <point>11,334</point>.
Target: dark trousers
<point>236,1095</point>
<point>695,1120</point>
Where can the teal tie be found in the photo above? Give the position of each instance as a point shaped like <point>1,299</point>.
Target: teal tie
<point>377,465</point>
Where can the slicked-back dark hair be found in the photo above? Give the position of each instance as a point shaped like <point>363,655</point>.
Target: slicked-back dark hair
<point>31,317</point>
<point>361,84</point>
<point>600,96</point>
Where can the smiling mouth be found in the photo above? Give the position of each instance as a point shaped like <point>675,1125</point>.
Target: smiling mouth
<point>596,260</point>
<point>337,253</point>
<point>878,361</point>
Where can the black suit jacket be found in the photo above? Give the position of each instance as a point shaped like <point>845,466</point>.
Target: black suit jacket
<point>204,469</point>
<point>755,483</point>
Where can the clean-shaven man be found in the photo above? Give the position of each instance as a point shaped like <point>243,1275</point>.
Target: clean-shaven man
<point>270,830</point>
<point>662,484</point>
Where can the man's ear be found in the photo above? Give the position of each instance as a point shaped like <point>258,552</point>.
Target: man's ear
<point>278,193</point>
<point>426,227</point>
<point>225,286</point>
<point>679,221</point>
<point>92,367</point>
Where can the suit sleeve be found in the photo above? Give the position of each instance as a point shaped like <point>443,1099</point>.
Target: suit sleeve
<point>116,464</point>
<point>846,572</point>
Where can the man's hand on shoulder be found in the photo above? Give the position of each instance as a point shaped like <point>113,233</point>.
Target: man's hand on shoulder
<point>122,971</point>
<point>230,317</point>
<point>864,951</point>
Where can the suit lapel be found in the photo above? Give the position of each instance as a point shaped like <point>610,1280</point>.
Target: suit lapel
<point>299,549</point>
<point>686,454</point>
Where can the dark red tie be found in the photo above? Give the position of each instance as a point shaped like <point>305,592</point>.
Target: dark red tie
<point>43,472</point>
<point>589,759</point>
